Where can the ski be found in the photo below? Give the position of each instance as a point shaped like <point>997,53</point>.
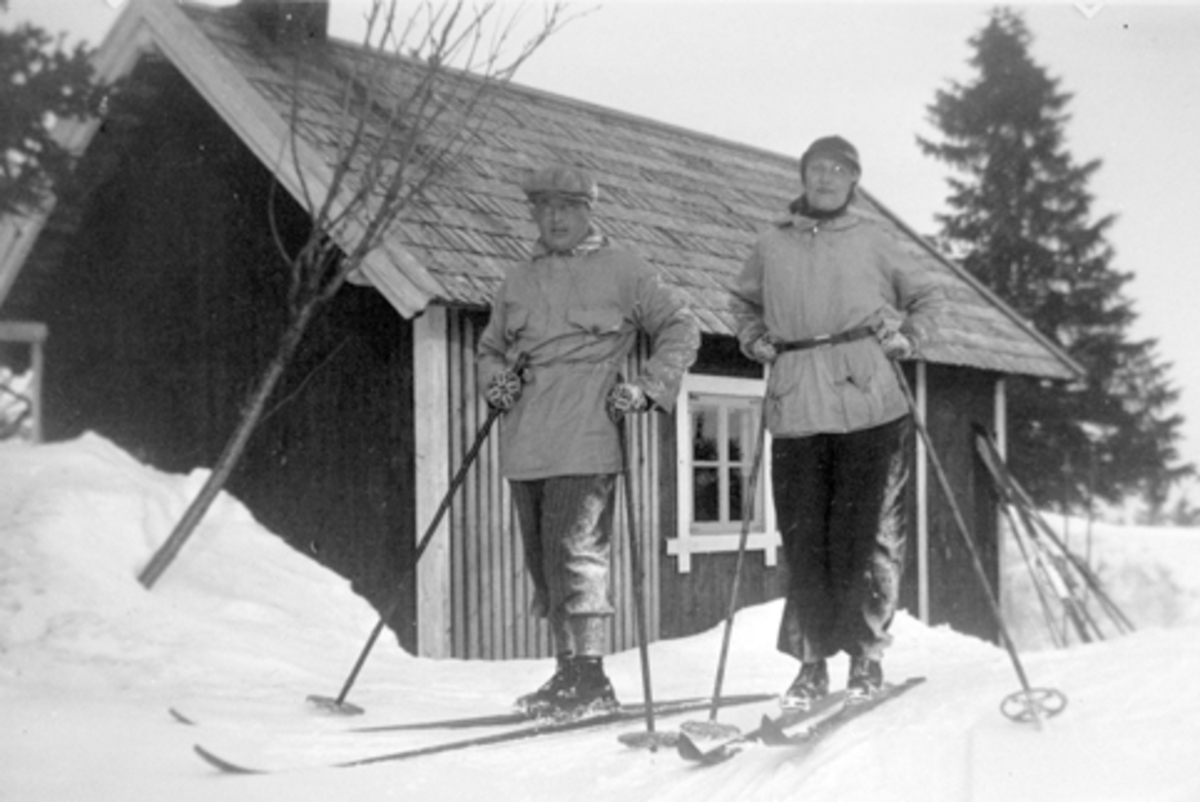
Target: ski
<point>540,728</point>
<point>497,719</point>
<point>847,713</point>
<point>699,746</point>
<point>774,731</point>
<point>515,718</point>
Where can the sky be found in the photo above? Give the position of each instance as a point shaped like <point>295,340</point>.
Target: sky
<point>778,74</point>
<point>242,628</point>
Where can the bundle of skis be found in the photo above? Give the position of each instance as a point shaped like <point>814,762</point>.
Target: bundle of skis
<point>1065,585</point>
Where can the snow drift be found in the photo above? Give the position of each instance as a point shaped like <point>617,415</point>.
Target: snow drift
<point>242,628</point>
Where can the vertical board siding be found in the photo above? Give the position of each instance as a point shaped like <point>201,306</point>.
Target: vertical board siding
<point>959,399</point>
<point>491,593</point>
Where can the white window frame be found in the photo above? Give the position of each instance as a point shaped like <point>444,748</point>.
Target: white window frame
<point>687,541</point>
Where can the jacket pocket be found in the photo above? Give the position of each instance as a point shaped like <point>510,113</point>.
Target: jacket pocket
<point>516,319</point>
<point>596,321</point>
<point>860,367</point>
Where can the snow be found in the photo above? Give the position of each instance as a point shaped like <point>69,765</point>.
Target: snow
<point>242,629</point>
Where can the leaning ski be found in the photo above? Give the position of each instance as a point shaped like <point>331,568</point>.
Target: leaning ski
<point>536,730</point>
<point>513,719</point>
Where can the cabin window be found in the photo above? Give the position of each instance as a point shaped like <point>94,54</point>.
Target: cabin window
<point>717,427</point>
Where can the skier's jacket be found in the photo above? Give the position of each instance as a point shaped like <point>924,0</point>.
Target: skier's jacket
<point>578,317</point>
<point>806,278</point>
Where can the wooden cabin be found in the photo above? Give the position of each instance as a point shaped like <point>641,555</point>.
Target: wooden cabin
<point>164,299</point>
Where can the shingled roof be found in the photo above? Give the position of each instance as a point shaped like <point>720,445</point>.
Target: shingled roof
<point>688,202</point>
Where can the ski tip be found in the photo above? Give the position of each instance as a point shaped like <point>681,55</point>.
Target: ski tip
<point>221,763</point>
<point>908,684</point>
<point>689,750</point>
<point>180,717</point>
<point>771,732</point>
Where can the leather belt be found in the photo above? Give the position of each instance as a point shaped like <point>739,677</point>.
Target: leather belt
<point>849,335</point>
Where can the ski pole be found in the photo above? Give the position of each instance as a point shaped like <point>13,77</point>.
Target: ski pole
<point>635,564</point>
<point>339,704</point>
<point>735,591</point>
<point>1034,702</point>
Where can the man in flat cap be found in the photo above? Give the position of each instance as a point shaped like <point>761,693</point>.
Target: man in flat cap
<point>575,309</point>
<point>827,299</point>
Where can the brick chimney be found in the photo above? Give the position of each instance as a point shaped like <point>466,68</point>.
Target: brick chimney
<point>290,22</point>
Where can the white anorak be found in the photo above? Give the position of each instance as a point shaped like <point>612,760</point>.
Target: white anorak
<point>578,318</point>
<point>807,278</point>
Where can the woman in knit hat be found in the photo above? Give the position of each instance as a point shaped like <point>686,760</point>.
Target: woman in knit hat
<point>827,299</point>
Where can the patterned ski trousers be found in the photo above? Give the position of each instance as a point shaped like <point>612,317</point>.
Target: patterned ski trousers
<point>566,527</point>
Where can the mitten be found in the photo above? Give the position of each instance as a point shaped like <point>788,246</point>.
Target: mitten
<point>503,390</point>
<point>625,398</point>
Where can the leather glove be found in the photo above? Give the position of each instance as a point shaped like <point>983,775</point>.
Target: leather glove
<point>895,343</point>
<point>762,350</point>
<point>625,398</point>
<point>503,390</point>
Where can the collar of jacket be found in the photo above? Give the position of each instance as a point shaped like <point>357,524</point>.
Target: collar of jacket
<point>800,222</point>
<point>593,242</point>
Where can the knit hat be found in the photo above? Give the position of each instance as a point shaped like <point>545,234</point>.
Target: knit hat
<point>563,181</point>
<point>832,147</point>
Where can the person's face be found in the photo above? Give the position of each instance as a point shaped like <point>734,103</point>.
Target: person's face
<point>827,183</point>
<point>562,222</point>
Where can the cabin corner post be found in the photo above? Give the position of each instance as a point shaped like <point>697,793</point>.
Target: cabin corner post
<point>922,479</point>
<point>431,479</point>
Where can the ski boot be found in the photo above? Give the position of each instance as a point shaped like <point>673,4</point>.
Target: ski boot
<point>543,701</point>
<point>810,685</point>
<point>866,679</point>
<point>589,694</point>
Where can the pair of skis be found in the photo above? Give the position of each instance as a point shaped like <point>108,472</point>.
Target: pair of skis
<point>525,729</point>
<point>792,728</point>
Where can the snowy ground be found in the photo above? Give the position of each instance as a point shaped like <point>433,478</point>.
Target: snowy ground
<point>242,629</point>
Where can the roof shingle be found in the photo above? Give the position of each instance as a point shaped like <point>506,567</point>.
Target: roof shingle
<point>689,203</point>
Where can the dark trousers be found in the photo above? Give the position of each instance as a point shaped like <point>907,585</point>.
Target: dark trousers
<point>841,507</point>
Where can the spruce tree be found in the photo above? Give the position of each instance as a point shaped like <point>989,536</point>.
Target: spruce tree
<point>1020,220</point>
<point>40,82</point>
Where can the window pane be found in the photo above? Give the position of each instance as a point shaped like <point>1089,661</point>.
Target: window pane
<point>706,496</point>
<point>705,420</point>
<point>738,433</point>
<point>737,488</point>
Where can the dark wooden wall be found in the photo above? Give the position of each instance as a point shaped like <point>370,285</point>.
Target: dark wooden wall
<point>489,587</point>
<point>165,298</point>
<point>958,399</point>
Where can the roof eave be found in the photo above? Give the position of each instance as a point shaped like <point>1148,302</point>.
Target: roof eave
<point>1072,369</point>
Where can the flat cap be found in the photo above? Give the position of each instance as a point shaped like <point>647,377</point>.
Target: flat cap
<point>563,181</point>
